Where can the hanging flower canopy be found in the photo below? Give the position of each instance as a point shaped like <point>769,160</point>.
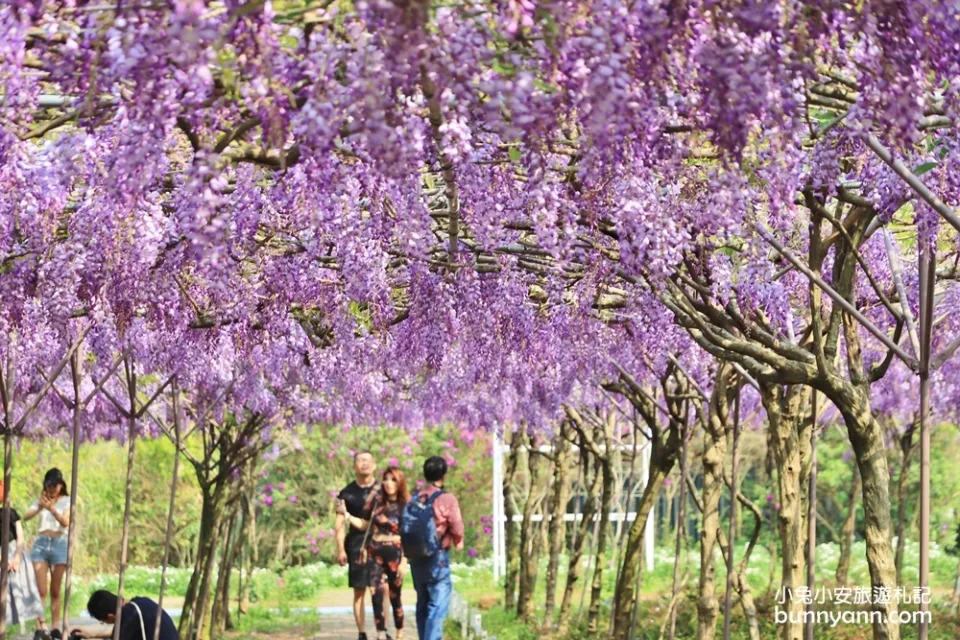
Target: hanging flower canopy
<point>488,213</point>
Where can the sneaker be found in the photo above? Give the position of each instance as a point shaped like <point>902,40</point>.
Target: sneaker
<point>363,636</point>
<point>41,634</point>
<point>56,635</point>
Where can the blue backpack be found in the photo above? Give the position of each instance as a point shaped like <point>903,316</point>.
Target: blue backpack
<point>418,529</point>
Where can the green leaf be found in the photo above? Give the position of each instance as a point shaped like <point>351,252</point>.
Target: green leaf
<point>514,154</point>
<point>504,69</point>
<point>825,118</point>
<point>924,168</point>
<point>546,87</point>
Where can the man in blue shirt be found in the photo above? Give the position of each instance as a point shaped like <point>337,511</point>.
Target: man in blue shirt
<point>137,618</point>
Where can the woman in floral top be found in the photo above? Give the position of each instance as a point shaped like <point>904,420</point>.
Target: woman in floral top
<point>384,553</point>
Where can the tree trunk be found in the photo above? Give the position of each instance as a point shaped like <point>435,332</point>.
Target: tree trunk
<point>606,497</point>
<point>849,526</point>
<point>250,559</point>
<point>789,437</point>
<point>852,399</point>
<point>235,548</point>
<point>675,587</point>
<point>741,583</point>
<point>714,452</point>
<point>774,552</point>
<point>558,508</point>
<point>576,553</point>
<point>869,447</point>
<point>666,533</point>
<point>193,602</point>
<point>663,456</point>
<point>906,448</point>
<point>956,589</point>
<point>511,543</point>
<point>708,607</point>
<point>625,506</point>
<point>204,619</point>
<point>739,578</point>
<point>221,598</point>
<point>529,549</point>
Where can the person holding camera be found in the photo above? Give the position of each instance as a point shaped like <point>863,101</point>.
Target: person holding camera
<point>353,501</point>
<point>49,552</point>
<point>138,618</point>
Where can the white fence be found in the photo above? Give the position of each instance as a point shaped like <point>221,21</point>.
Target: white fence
<point>500,517</point>
<point>469,619</point>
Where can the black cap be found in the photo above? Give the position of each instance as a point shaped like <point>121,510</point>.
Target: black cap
<point>53,477</point>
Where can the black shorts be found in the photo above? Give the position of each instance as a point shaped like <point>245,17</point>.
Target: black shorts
<point>358,573</point>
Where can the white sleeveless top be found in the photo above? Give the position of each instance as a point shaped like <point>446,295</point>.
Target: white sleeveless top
<point>47,521</point>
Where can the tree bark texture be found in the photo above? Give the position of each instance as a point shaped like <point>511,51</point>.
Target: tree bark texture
<point>903,480</point>
<point>211,513</point>
<point>529,534</point>
<point>740,583</point>
<point>789,438</point>
<point>559,497</point>
<point>596,587</point>
<point>592,481</point>
<point>849,526</point>
<point>665,446</point>
<point>714,453</point>
<point>511,539</point>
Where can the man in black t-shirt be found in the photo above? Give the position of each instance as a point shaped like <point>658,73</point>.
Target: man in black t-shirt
<point>352,500</point>
<point>138,617</point>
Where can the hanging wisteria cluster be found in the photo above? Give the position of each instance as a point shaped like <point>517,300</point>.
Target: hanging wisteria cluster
<point>482,212</point>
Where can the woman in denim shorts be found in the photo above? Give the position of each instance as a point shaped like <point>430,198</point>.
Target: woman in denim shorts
<point>49,553</point>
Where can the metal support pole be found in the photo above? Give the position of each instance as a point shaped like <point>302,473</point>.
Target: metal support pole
<point>128,493</point>
<point>812,514</point>
<point>173,501</point>
<point>927,266</point>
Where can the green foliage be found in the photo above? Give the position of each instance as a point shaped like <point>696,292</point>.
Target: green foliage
<point>100,500</point>
<point>271,622</point>
<point>303,583</point>
<point>503,624</point>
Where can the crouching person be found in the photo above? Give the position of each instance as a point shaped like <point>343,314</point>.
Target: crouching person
<point>138,619</point>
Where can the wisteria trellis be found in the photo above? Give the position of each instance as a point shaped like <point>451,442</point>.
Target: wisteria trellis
<point>412,213</point>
